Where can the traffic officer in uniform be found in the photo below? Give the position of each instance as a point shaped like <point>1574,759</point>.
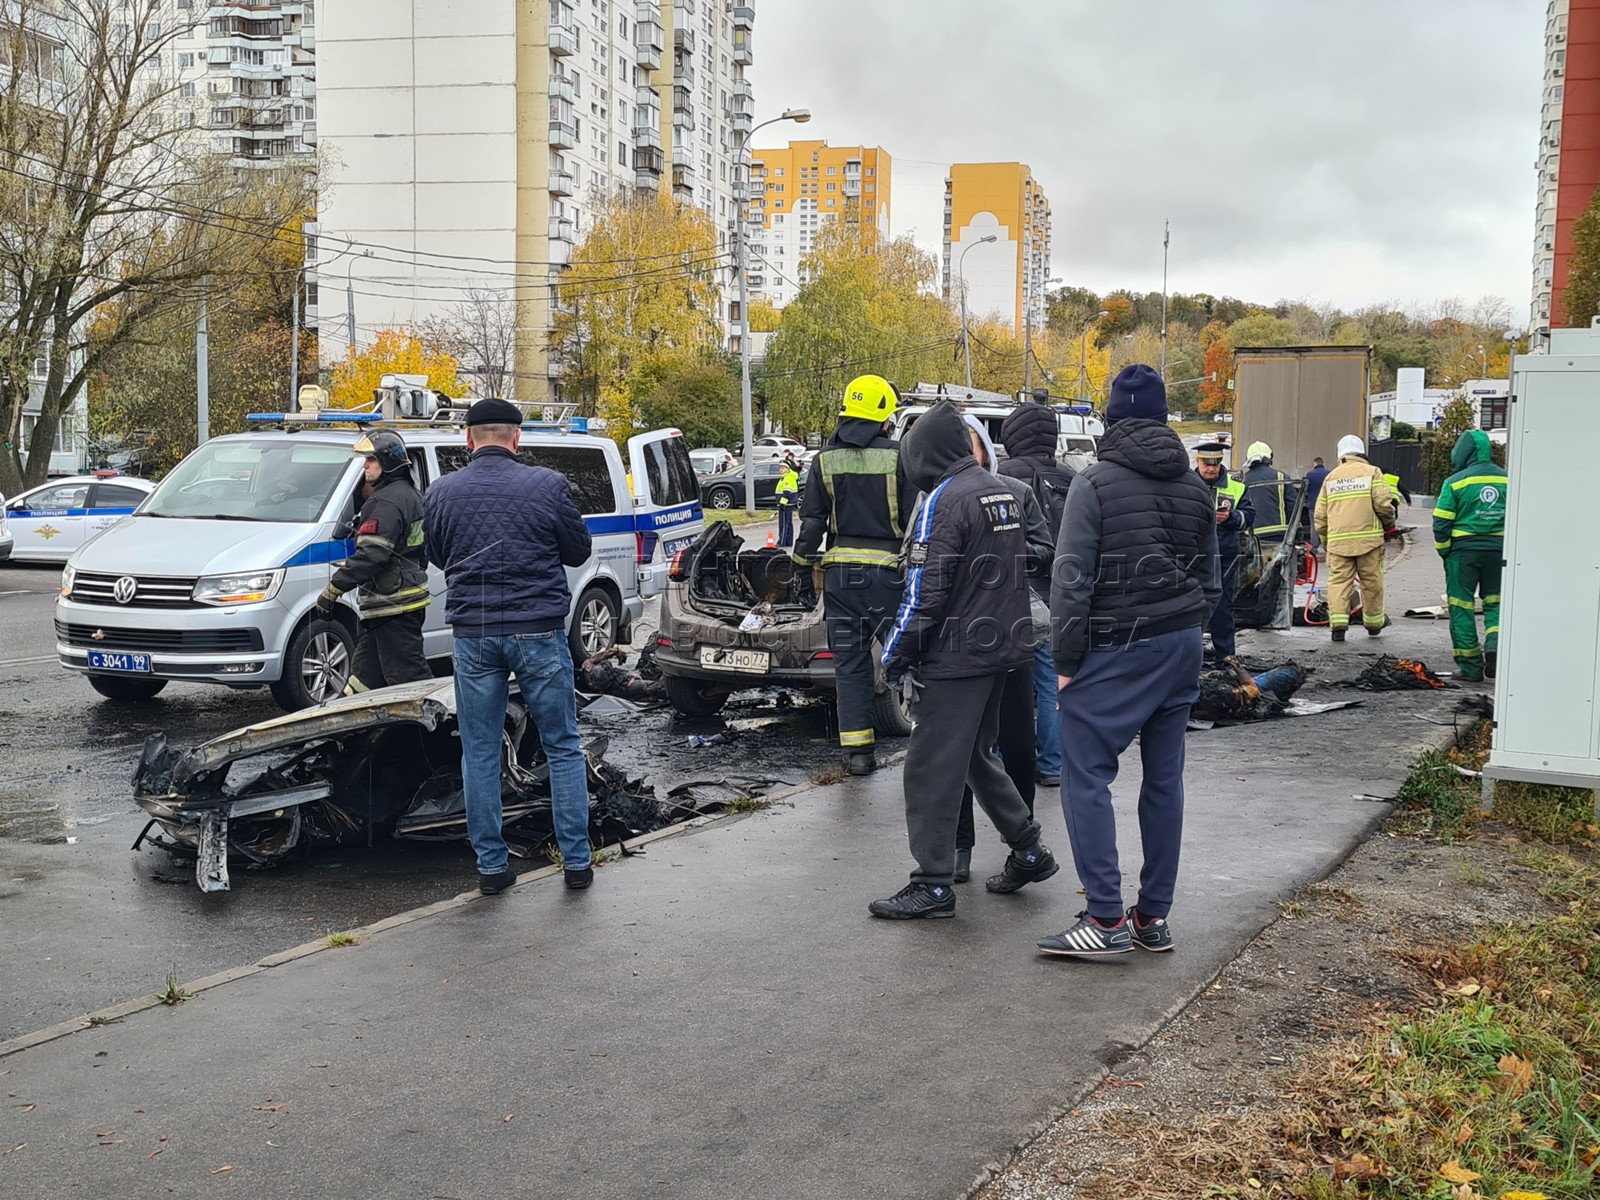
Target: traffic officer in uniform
<point>786,492</point>
<point>1234,513</point>
<point>1268,490</point>
<point>389,568</point>
<point>857,498</point>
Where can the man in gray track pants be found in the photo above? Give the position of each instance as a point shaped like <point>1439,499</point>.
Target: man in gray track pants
<point>963,623</point>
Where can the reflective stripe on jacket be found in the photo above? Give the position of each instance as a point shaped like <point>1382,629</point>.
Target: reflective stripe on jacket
<point>1354,507</point>
<point>856,499</point>
<point>1267,488</point>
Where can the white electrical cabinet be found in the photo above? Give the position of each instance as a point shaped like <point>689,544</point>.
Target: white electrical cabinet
<point>1547,725</point>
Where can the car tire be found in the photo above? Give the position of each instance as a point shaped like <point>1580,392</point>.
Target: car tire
<point>316,665</point>
<point>596,624</point>
<point>889,714</point>
<point>720,498</point>
<point>691,697</point>
<point>126,691</point>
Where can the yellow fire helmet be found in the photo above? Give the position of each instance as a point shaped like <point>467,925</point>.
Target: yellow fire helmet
<point>870,397</point>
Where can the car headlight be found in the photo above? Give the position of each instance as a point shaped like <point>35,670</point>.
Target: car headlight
<point>249,588</point>
<point>68,575</point>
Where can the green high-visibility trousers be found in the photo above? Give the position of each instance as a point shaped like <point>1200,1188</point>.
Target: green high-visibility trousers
<point>1469,574</point>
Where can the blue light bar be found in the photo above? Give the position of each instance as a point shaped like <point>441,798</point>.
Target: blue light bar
<point>323,418</point>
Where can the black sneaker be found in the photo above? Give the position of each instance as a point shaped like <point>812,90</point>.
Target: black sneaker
<point>862,762</point>
<point>1374,632</point>
<point>963,866</point>
<point>493,885</point>
<point>1152,935</point>
<point>1491,659</point>
<point>1338,635</point>
<point>1031,866</point>
<point>914,901</point>
<point>1047,780</point>
<point>1089,939</point>
<point>578,878</point>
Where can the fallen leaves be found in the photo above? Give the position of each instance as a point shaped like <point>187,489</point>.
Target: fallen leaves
<point>1513,1075</point>
<point>223,1169</point>
<point>1454,1172</point>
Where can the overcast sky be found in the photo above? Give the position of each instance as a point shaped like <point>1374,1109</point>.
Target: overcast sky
<point>1350,151</point>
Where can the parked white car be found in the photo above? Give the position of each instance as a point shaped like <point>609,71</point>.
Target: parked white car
<point>47,523</point>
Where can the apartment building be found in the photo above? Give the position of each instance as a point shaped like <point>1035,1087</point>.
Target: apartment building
<point>793,190</point>
<point>1569,147</point>
<point>468,144</point>
<point>997,241</point>
<point>247,73</point>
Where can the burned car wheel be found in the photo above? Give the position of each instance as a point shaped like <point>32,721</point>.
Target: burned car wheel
<point>693,699</point>
<point>114,687</point>
<point>720,498</point>
<point>316,667</point>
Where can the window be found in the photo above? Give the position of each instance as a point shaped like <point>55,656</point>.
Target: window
<point>185,60</point>
<point>669,472</point>
<point>186,90</point>
<point>66,495</point>
<point>833,170</point>
<point>110,495</point>
<point>622,151</point>
<point>833,187</point>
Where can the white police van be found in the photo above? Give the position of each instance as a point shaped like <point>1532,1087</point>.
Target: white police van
<point>214,578</point>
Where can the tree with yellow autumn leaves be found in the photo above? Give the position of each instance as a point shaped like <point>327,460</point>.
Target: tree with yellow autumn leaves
<point>393,352</point>
<point>642,294</point>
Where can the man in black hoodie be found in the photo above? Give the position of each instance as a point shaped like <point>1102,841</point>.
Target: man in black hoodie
<point>1136,576</point>
<point>964,623</point>
<point>1030,434</point>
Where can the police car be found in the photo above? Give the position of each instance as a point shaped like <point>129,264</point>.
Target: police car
<point>215,578</point>
<point>47,523</point>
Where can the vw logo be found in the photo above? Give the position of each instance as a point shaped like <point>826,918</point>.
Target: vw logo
<point>125,589</point>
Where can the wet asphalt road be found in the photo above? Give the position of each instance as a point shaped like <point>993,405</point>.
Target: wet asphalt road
<point>89,923</point>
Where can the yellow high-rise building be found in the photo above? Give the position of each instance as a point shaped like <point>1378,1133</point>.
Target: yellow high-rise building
<point>793,189</point>
<point>1008,275</point>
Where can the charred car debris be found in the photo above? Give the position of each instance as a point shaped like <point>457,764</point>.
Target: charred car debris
<point>383,763</point>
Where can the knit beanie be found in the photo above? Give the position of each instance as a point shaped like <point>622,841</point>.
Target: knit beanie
<point>1137,392</point>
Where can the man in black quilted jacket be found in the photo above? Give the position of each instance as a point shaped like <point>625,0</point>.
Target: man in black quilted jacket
<point>1030,434</point>
<point>503,533</point>
<point>1135,579</point>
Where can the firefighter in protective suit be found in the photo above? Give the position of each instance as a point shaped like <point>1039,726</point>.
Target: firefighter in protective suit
<point>389,569</point>
<point>857,498</point>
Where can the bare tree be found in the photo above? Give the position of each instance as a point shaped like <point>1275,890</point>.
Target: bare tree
<point>481,331</point>
<point>113,209</point>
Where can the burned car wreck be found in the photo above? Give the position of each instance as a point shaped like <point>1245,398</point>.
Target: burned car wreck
<point>383,763</point>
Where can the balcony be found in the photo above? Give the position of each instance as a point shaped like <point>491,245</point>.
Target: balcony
<point>563,135</point>
<point>562,229</point>
<point>647,181</point>
<point>852,187</point>
<point>561,183</point>
<point>561,89</point>
<point>682,37</point>
<point>647,137</point>
<point>682,184</point>
<point>647,10</point>
<point>682,158</point>
<point>563,42</point>
<point>682,73</point>
<point>742,122</point>
<point>742,56</point>
<point>649,41</point>
<point>744,17</point>
<point>649,159</point>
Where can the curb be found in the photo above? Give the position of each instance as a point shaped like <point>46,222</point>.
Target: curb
<point>128,1008</point>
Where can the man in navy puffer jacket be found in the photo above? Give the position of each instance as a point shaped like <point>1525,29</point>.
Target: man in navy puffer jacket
<point>503,532</point>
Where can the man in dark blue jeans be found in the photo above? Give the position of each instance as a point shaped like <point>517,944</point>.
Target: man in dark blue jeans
<point>503,532</point>
<point>1136,577</point>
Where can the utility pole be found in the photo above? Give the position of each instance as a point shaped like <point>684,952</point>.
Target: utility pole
<point>349,308</point>
<point>1166,240</point>
<point>1027,333</point>
<point>294,346</point>
<point>202,364</point>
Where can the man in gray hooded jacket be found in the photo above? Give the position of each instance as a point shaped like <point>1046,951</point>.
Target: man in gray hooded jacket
<point>963,624</point>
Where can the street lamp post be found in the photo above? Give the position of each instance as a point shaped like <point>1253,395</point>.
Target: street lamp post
<point>741,214</point>
<point>961,274</point>
<point>1083,358</point>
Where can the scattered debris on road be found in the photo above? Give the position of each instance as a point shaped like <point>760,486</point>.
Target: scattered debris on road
<point>1397,674</point>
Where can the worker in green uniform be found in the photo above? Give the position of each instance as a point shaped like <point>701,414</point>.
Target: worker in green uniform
<point>1469,531</point>
<point>787,492</point>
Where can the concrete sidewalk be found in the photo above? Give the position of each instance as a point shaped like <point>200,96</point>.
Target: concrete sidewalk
<point>717,1018</point>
